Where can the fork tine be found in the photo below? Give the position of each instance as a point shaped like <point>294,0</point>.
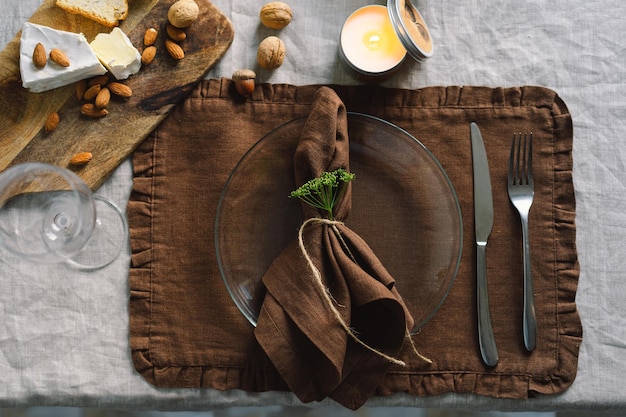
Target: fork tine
<point>529,160</point>
<point>520,159</point>
<point>519,162</point>
<point>512,162</point>
<point>526,159</point>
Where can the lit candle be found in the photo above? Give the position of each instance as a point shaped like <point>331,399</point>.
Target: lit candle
<point>369,42</point>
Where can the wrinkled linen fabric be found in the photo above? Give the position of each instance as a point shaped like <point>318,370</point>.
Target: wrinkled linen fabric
<point>187,332</point>
<point>64,337</point>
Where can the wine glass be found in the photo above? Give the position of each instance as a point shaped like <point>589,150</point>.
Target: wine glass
<point>49,215</point>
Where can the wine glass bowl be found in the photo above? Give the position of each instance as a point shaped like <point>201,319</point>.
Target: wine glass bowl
<point>49,215</point>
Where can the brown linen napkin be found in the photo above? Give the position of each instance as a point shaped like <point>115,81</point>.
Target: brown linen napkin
<point>185,330</point>
<point>297,328</point>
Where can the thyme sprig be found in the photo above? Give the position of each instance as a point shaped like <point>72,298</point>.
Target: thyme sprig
<point>325,191</point>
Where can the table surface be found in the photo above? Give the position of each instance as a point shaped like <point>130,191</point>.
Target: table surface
<point>64,333</point>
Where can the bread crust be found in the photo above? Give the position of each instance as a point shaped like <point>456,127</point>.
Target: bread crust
<point>116,13</point>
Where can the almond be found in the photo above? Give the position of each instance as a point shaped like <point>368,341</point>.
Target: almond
<point>39,56</point>
<point>101,80</point>
<point>58,56</point>
<point>92,92</point>
<point>81,87</point>
<point>148,55</point>
<point>174,49</point>
<point>103,98</point>
<point>81,158</point>
<point>150,36</point>
<point>119,89</point>
<point>176,34</point>
<point>51,122</point>
<point>90,110</point>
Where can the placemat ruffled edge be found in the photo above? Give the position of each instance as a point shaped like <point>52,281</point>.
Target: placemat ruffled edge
<point>427,383</point>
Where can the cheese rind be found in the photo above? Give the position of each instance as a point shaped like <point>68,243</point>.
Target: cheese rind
<point>117,53</point>
<point>83,61</point>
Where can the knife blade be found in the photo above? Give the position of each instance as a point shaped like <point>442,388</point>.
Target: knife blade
<point>483,223</point>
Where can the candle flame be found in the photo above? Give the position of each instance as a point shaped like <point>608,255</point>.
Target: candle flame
<point>372,40</point>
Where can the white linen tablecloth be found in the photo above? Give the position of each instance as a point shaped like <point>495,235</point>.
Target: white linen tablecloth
<point>64,333</point>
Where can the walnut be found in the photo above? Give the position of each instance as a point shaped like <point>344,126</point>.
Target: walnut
<point>275,15</point>
<point>183,13</point>
<point>271,53</point>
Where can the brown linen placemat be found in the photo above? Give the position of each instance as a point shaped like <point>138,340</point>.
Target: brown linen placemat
<point>187,332</point>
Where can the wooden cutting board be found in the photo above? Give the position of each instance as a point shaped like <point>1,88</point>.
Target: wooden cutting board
<point>157,88</point>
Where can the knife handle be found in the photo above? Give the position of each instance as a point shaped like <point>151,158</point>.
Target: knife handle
<point>486,339</point>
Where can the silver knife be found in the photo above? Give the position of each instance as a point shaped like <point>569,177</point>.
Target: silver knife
<point>483,223</point>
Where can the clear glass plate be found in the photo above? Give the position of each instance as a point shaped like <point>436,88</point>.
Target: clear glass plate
<point>417,233</point>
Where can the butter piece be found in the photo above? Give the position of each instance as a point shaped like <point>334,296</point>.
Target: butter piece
<point>117,53</point>
<point>83,62</point>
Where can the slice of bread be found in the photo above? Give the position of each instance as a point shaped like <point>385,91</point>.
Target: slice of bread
<point>105,12</point>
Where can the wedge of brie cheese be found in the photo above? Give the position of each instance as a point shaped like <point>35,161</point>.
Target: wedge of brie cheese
<point>117,53</point>
<point>83,61</point>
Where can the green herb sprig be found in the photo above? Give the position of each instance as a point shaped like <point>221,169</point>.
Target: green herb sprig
<point>325,191</point>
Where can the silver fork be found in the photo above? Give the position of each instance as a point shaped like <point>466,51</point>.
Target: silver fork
<point>521,192</point>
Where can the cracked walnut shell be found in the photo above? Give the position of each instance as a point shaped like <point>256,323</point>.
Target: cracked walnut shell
<point>275,15</point>
<point>271,53</point>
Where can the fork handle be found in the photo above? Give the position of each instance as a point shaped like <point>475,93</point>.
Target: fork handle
<point>486,339</point>
<point>529,317</point>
